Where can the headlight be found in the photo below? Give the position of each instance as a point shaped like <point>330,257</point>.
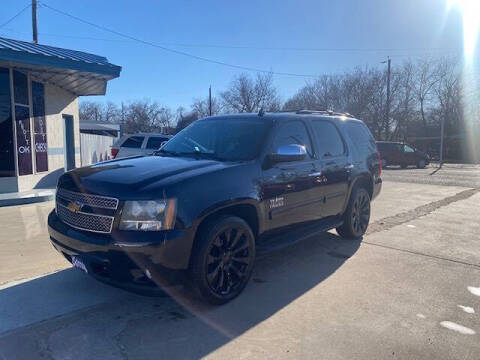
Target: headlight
<point>149,215</point>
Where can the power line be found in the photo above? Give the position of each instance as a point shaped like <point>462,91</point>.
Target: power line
<point>178,52</point>
<point>253,47</point>
<point>15,16</point>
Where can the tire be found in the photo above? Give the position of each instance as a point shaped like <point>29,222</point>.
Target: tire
<point>403,166</point>
<point>223,259</point>
<point>357,215</point>
<point>421,164</point>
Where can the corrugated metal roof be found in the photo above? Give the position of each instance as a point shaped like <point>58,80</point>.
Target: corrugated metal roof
<point>46,50</point>
<point>78,72</point>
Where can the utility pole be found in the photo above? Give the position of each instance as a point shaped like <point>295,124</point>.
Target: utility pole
<point>387,113</point>
<point>210,100</point>
<point>34,21</point>
<point>442,133</point>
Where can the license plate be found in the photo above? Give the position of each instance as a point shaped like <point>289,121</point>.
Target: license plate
<point>79,264</point>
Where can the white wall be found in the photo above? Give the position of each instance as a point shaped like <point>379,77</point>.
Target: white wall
<point>95,148</point>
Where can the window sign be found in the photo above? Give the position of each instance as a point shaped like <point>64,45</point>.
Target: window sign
<point>39,127</point>
<point>24,146</point>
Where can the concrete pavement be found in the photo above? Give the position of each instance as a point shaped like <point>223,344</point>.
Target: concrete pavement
<point>410,289</point>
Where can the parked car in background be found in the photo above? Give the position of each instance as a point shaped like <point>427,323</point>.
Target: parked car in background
<point>397,153</point>
<point>138,144</point>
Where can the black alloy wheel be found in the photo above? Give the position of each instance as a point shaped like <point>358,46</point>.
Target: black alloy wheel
<point>224,262</point>
<point>357,215</point>
<point>361,212</point>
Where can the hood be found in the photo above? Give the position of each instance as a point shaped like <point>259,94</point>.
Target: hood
<point>119,178</point>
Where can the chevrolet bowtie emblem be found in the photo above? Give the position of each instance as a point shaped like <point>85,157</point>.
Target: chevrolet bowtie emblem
<point>75,206</point>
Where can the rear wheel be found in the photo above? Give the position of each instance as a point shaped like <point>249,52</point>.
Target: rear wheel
<point>223,259</point>
<point>403,166</point>
<point>421,164</point>
<point>357,215</point>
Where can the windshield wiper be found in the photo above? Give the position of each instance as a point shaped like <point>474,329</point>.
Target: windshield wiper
<point>165,152</point>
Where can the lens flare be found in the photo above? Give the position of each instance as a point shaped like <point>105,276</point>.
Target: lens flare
<point>470,11</point>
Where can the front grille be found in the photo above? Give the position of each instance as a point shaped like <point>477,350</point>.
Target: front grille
<point>86,211</point>
<point>102,202</point>
<point>85,221</point>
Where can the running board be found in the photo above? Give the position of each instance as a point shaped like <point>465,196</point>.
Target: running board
<point>290,236</point>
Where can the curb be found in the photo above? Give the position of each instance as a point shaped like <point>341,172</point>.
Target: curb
<point>26,200</point>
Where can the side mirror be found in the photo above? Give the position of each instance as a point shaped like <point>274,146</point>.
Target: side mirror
<point>287,153</point>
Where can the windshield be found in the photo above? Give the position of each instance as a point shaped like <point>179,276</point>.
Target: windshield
<point>222,139</point>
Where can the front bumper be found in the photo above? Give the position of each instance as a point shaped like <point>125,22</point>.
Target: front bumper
<point>128,259</point>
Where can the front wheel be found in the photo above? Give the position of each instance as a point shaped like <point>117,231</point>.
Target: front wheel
<point>223,259</point>
<point>357,215</point>
<point>421,164</point>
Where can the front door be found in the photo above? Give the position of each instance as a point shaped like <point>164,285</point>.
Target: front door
<point>333,166</point>
<point>409,155</point>
<point>68,142</point>
<point>290,192</point>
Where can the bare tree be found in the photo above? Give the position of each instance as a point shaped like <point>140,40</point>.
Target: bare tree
<point>201,107</point>
<point>246,94</point>
<point>426,78</point>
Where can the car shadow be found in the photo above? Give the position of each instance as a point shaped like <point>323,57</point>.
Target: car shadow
<point>175,327</point>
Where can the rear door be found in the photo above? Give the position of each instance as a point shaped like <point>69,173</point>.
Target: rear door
<point>333,165</point>
<point>290,192</point>
<point>395,154</point>
<point>131,146</point>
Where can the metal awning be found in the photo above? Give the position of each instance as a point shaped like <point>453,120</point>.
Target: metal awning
<point>75,71</point>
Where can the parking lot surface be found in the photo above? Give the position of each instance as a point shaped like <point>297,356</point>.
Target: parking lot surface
<point>409,289</point>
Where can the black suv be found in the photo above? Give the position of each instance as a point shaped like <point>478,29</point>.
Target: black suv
<point>211,198</point>
<point>397,153</point>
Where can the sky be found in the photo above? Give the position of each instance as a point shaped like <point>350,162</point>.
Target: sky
<point>311,37</point>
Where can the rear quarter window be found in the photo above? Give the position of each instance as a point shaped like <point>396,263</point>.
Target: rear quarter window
<point>361,137</point>
<point>133,142</point>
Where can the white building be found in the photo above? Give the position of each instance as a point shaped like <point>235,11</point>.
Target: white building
<point>39,121</point>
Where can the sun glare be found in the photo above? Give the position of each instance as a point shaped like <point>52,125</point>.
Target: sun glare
<point>470,11</point>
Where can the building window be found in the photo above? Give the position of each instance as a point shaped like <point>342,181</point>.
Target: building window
<point>39,127</point>
<point>7,155</point>
<point>20,88</point>
<point>24,146</point>
<point>22,123</point>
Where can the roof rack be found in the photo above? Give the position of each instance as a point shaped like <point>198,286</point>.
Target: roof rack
<point>324,112</point>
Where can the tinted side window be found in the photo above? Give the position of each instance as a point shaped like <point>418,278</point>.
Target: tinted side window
<point>154,142</point>
<point>361,136</point>
<point>134,142</point>
<point>293,132</point>
<point>329,141</point>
